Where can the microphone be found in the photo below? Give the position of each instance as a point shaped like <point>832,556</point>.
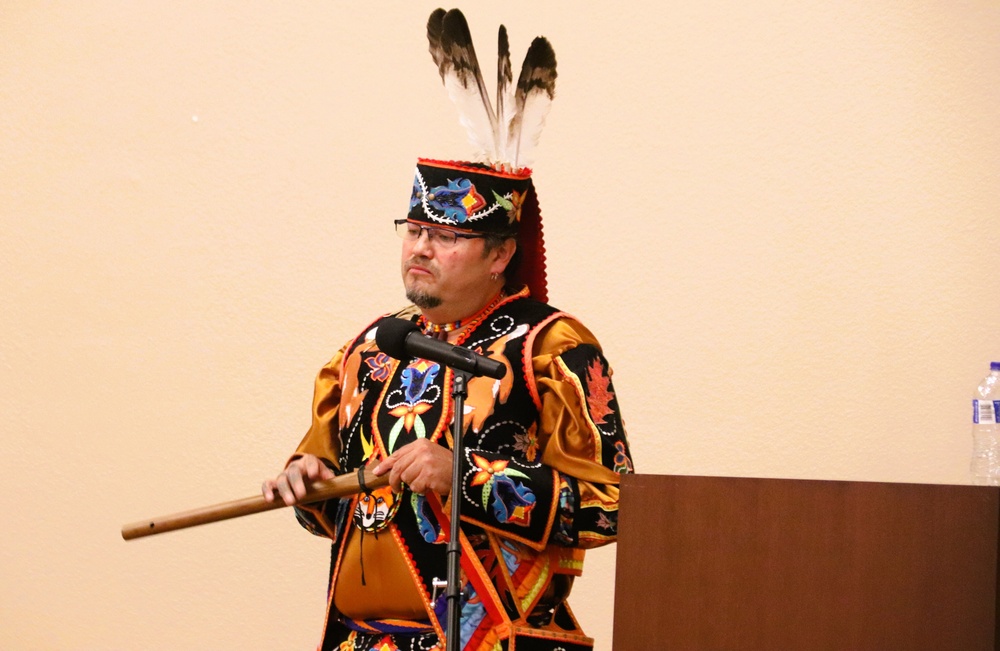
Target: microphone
<point>402,339</point>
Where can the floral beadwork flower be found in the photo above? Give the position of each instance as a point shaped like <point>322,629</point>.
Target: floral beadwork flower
<point>527,442</point>
<point>486,469</point>
<point>409,413</point>
<point>380,366</point>
<point>512,500</point>
<point>622,462</point>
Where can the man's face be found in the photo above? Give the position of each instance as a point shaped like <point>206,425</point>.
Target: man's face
<point>436,276</point>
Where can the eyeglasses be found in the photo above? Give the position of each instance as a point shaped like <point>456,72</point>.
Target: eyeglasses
<point>442,237</point>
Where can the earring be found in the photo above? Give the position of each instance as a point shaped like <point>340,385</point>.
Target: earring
<point>494,276</point>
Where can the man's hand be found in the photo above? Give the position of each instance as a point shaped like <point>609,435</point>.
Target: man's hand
<point>291,484</point>
<point>424,466</point>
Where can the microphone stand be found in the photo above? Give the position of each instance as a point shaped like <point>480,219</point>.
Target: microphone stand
<point>459,392</point>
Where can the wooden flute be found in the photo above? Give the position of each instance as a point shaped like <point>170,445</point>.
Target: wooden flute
<point>340,486</point>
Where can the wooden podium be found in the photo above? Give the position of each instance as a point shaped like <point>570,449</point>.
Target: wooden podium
<point>739,564</point>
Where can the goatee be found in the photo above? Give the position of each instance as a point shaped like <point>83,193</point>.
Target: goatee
<point>421,299</point>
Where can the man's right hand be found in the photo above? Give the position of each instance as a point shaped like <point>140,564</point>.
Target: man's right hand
<point>291,484</point>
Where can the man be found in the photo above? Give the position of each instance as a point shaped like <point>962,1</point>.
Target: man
<point>544,446</point>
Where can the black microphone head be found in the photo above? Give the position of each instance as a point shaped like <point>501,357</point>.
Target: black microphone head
<point>391,336</point>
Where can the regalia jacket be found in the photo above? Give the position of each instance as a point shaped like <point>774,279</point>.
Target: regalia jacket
<point>544,450</point>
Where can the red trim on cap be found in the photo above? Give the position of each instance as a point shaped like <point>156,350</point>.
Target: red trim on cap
<point>523,173</point>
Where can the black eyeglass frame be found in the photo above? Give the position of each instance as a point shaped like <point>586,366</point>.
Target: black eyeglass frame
<point>402,234</point>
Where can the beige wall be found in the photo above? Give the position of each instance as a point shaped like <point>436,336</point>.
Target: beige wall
<point>780,218</point>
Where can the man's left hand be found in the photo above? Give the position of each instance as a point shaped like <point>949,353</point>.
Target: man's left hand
<point>424,466</point>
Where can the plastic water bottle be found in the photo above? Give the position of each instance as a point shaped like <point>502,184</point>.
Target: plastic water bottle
<point>985,430</point>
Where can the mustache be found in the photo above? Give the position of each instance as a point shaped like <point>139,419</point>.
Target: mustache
<point>420,261</point>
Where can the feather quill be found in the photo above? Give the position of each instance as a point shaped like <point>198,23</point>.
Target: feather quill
<point>506,106</point>
<point>536,87</point>
<point>451,48</point>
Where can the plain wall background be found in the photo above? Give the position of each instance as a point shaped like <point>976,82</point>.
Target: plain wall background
<point>780,218</point>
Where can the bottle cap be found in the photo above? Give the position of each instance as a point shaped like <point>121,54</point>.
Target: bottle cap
<point>995,366</point>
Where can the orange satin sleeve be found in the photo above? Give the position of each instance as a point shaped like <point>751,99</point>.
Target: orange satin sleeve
<point>566,436</point>
<point>322,439</point>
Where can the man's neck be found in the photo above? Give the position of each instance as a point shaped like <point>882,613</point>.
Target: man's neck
<point>456,312</point>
